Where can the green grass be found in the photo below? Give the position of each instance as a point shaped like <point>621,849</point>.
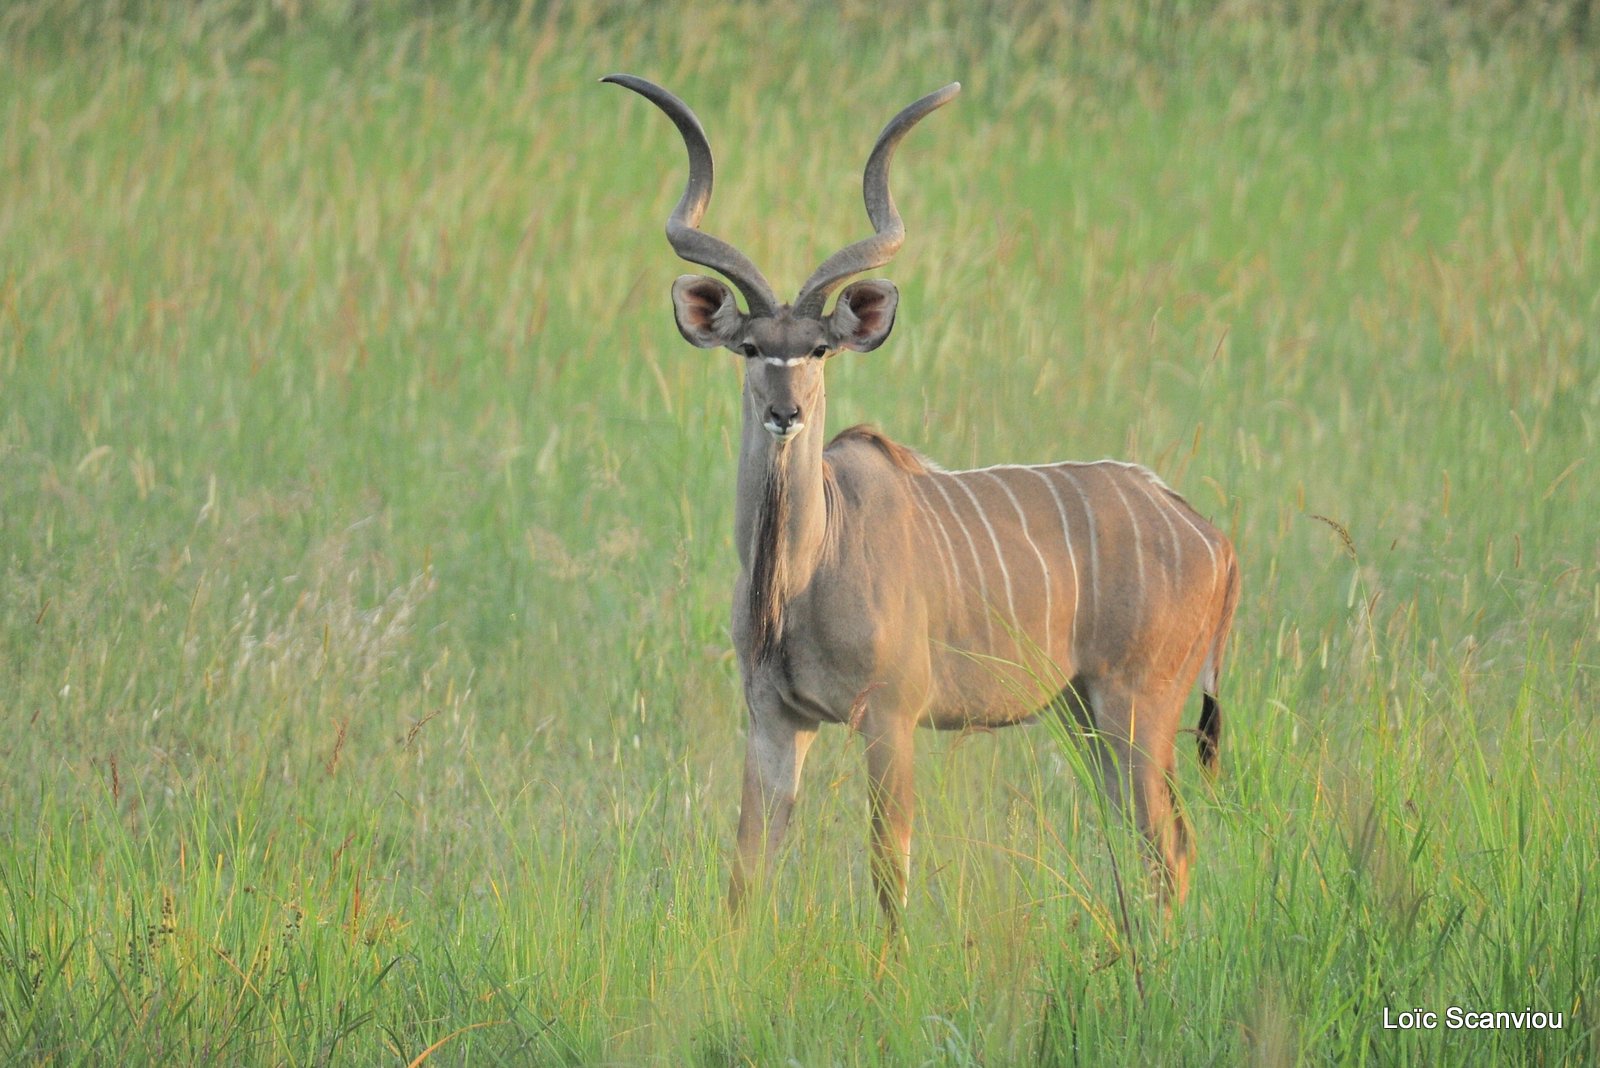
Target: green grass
<point>365,528</point>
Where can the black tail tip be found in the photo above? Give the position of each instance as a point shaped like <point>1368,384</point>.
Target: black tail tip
<point>1210,733</point>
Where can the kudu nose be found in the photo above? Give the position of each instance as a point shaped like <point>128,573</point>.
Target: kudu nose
<point>783,419</point>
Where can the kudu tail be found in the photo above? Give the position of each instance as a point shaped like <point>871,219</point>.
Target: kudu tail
<point>1210,732</point>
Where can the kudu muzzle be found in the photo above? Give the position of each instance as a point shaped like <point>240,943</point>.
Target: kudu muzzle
<point>783,418</point>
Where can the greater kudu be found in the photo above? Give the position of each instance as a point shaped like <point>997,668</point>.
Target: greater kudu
<point>878,590</point>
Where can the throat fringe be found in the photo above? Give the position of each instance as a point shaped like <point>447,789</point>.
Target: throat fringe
<point>769,577</point>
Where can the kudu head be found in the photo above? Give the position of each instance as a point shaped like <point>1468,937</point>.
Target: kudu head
<point>784,345</point>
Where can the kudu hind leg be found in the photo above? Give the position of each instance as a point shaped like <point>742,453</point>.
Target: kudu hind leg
<point>774,754</point>
<point>1138,759</point>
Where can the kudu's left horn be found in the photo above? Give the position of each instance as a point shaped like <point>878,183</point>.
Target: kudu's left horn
<point>683,225</point>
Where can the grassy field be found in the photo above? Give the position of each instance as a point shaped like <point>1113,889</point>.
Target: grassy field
<point>365,529</point>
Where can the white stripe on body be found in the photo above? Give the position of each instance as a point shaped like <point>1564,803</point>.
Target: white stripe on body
<point>1138,555</point>
<point>1094,539</point>
<point>1072,554</point>
<point>1174,568</point>
<point>1049,598</point>
<point>999,553</point>
<point>1174,506</point>
<point>972,546</point>
<point>952,575</point>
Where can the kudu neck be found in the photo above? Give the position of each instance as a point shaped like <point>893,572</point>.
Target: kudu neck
<point>786,476</point>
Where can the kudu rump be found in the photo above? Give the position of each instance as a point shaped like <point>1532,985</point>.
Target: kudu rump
<point>879,590</point>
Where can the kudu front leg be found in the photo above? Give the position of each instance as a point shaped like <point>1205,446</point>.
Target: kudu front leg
<point>889,786</point>
<point>774,755</point>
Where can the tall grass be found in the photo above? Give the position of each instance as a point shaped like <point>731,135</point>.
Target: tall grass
<point>365,540</point>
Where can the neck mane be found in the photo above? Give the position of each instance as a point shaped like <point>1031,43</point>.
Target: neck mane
<point>769,571</point>
<point>787,518</point>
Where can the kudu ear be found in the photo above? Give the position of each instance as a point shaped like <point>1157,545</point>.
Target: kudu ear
<point>864,315</point>
<point>706,312</point>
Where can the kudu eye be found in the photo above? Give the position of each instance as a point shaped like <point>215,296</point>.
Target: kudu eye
<point>819,352</point>
<point>748,349</point>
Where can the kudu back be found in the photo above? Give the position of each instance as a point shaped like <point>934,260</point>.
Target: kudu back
<point>878,590</point>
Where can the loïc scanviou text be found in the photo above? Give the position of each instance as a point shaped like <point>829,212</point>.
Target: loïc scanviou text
<point>1457,1018</point>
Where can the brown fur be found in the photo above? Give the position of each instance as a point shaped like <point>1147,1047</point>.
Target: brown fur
<point>905,459</point>
<point>768,578</point>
